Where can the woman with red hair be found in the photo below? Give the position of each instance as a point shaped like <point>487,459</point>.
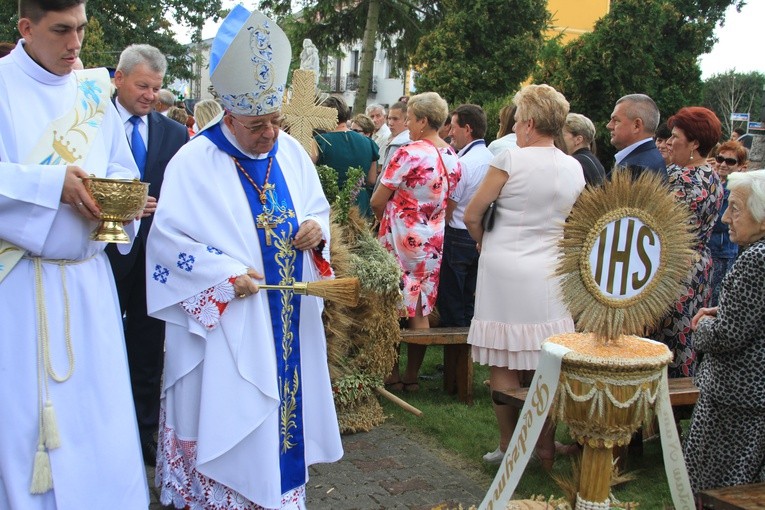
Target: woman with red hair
<point>731,157</point>
<point>695,130</point>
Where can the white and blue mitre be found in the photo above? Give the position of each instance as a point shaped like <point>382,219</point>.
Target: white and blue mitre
<point>249,62</point>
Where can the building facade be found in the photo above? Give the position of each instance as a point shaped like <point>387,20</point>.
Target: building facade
<point>341,75</point>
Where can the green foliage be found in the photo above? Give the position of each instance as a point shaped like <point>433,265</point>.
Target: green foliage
<point>733,92</point>
<point>116,25</point>
<point>328,178</point>
<point>347,197</point>
<point>640,46</point>
<point>8,30</point>
<point>492,108</point>
<point>350,388</point>
<point>95,51</point>
<point>481,50</point>
<point>377,268</point>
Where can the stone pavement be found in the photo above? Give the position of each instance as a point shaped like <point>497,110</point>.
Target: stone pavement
<point>388,468</point>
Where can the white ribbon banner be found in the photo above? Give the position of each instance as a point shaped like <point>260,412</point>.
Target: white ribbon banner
<point>530,423</point>
<point>674,463</point>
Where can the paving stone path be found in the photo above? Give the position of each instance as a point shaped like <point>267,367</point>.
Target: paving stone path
<point>387,468</point>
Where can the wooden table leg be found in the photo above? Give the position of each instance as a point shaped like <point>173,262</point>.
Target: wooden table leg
<point>450,369</point>
<point>464,362</point>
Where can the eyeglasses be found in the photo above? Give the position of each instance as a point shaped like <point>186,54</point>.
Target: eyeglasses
<point>257,129</point>
<point>358,130</point>
<point>727,161</point>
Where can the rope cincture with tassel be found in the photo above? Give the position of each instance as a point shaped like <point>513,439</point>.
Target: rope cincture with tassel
<point>48,435</point>
<point>342,290</point>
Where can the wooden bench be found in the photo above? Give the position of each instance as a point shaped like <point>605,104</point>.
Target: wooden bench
<point>740,497</point>
<point>458,362</point>
<point>682,394</point>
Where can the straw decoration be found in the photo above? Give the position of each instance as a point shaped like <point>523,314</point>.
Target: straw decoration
<point>301,110</point>
<point>361,341</point>
<point>648,199</point>
<point>342,290</point>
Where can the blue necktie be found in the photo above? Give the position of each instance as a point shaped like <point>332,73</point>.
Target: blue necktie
<point>137,145</point>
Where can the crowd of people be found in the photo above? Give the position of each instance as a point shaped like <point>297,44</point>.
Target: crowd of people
<point>166,350</point>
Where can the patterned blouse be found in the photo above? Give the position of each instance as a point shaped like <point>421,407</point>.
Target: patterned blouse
<point>701,190</point>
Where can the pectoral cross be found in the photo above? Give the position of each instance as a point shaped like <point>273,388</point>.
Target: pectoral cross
<point>266,222</point>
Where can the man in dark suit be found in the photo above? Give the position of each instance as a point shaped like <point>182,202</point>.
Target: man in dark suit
<point>632,126</point>
<point>154,140</point>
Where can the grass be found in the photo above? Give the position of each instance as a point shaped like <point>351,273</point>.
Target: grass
<point>468,432</point>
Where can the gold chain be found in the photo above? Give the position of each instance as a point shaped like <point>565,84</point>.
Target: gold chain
<point>261,191</point>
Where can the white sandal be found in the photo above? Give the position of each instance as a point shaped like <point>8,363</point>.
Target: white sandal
<point>494,457</point>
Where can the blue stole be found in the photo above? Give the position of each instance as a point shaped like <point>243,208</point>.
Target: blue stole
<point>276,227</point>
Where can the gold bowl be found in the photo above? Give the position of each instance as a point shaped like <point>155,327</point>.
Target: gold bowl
<point>120,200</point>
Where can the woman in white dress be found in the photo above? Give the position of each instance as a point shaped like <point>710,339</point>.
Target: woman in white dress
<point>518,305</point>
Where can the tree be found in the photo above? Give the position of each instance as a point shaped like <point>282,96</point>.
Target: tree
<point>640,46</point>
<point>481,50</point>
<point>331,24</point>
<point>119,24</point>
<point>95,50</point>
<point>733,92</point>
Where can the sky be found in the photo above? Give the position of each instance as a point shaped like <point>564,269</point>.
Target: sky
<point>739,42</point>
<point>737,46</point>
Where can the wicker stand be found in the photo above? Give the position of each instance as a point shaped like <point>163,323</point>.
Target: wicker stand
<point>606,393</point>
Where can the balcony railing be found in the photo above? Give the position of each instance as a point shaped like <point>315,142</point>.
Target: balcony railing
<point>352,83</point>
<point>331,84</point>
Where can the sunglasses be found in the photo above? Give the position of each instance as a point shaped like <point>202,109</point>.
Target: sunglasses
<point>727,161</point>
<point>358,130</point>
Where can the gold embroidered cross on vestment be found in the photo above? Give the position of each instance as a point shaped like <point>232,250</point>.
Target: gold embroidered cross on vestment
<point>266,222</point>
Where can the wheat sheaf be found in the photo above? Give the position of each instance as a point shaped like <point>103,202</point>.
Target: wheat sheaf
<point>649,199</point>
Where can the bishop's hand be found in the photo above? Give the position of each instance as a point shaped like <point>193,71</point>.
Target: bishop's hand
<point>245,284</point>
<point>308,236</point>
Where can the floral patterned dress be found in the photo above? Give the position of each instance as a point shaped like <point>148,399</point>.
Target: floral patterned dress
<point>701,190</point>
<point>412,225</point>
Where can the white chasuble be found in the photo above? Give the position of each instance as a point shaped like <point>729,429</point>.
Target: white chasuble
<point>220,394</point>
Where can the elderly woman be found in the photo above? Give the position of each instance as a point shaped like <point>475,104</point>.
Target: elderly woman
<point>342,149</point>
<point>363,124</point>
<point>518,303</point>
<point>695,130</point>
<point>579,136</point>
<point>726,439</point>
<point>731,157</point>
<point>411,206</point>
